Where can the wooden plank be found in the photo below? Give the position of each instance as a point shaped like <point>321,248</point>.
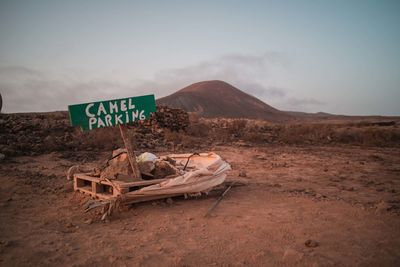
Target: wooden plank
<point>120,184</point>
<point>98,188</point>
<point>95,195</point>
<point>140,183</point>
<point>83,176</point>
<point>131,152</point>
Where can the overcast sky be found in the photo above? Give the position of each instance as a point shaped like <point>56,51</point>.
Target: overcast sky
<point>340,57</point>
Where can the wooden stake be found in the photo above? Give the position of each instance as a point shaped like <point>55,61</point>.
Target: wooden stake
<point>131,152</point>
<point>219,200</point>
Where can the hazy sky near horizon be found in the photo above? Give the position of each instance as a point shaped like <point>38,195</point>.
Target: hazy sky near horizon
<point>339,57</point>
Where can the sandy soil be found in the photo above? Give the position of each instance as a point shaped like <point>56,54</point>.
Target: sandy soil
<point>347,199</point>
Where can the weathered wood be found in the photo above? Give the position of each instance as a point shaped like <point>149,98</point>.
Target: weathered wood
<point>219,200</point>
<point>131,152</point>
<point>97,187</point>
<point>140,183</point>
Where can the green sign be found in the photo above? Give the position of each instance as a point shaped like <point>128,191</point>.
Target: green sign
<point>112,112</point>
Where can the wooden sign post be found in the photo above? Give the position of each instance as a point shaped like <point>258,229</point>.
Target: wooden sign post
<point>119,112</point>
<point>130,151</point>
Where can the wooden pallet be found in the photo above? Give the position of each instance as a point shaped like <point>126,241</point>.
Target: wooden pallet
<point>106,189</point>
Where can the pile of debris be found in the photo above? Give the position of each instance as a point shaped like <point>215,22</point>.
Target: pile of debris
<point>162,177</point>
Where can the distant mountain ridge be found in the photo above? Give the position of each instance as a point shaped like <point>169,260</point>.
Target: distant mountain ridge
<point>220,99</point>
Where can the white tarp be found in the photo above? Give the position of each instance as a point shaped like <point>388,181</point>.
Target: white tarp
<point>202,173</point>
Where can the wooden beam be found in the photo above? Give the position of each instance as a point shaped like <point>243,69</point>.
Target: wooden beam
<point>131,152</point>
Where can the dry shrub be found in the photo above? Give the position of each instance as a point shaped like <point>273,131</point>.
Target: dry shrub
<point>228,130</point>
<point>256,137</point>
<point>378,136</point>
<point>237,127</point>
<point>173,137</point>
<point>294,133</point>
<point>99,139</point>
<point>193,144</point>
<point>256,132</point>
<point>198,129</point>
<point>347,135</point>
<point>194,117</point>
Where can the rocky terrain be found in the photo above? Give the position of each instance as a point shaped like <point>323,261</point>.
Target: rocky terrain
<point>38,133</point>
<point>294,206</point>
<point>307,194</point>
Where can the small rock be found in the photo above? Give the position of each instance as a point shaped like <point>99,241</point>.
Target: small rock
<point>242,173</point>
<point>381,207</point>
<point>2,156</point>
<point>292,256</point>
<point>169,201</point>
<point>8,243</point>
<point>88,221</point>
<point>311,243</point>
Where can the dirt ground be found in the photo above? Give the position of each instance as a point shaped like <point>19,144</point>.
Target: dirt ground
<point>346,199</point>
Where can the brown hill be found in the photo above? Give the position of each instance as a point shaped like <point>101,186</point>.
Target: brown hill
<point>220,99</point>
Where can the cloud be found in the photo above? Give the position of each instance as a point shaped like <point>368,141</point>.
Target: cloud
<point>262,91</point>
<point>303,102</point>
<point>244,71</point>
<point>30,90</point>
<point>25,89</point>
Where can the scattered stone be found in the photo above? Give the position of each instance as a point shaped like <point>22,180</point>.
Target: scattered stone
<point>88,221</point>
<point>311,243</point>
<point>346,188</point>
<point>2,156</point>
<point>8,243</point>
<point>242,173</point>
<point>292,256</point>
<point>169,201</point>
<point>381,207</point>
<point>261,157</point>
<point>310,192</point>
<point>146,167</point>
<point>163,169</point>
